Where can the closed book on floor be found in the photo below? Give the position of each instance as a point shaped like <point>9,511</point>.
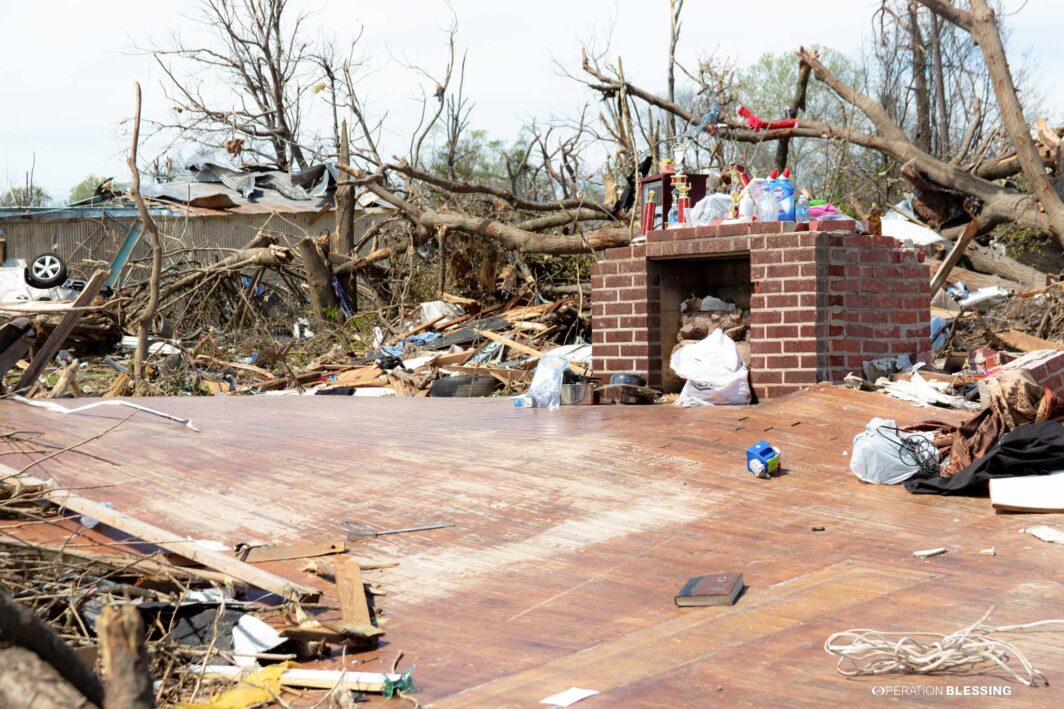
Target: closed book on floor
<point>710,590</point>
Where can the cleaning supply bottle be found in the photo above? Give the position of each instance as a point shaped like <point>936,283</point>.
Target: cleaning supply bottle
<point>768,209</point>
<point>801,210</point>
<point>785,195</point>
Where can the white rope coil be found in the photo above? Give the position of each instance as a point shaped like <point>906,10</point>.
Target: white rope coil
<point>971,650</point>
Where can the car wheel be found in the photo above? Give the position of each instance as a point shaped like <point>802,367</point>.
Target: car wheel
<point>46,271</point>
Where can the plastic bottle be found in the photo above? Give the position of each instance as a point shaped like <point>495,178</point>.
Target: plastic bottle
<point>674,215</point>
<point>785,196</point>
<point>746,207</point>
<point>768,209</point>
<point>801,210</point>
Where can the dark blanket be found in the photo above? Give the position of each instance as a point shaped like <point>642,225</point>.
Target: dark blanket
<point>1031,449</point>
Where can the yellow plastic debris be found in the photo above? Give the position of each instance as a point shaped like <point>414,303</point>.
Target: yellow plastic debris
<point>262,686</point>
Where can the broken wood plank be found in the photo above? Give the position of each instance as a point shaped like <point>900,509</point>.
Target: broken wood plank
<point>512,344</point>
<point>256,555</point>
<point>147,532</point>
<point>337,632</point>
<point>315,679</point>
<point>450,358</point>
<point>954,256</point>
<point>1026,343</point>
<point>523,349</point>
<point>238,366</point>
<point>354,609</point>
<point>62,330</point>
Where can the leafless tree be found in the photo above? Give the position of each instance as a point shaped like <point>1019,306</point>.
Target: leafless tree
<point>881,129</point>
<point>244,89</point>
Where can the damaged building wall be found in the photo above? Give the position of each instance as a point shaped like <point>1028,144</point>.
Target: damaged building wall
<point>98,238</point>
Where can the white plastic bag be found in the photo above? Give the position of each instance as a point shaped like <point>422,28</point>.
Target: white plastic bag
<point>877,456</point>
<point>430,310</point>
<point>710,208</point>
<point>714,371</point>
<point>546,388</point>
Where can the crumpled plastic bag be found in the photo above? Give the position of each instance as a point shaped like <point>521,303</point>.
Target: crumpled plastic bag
<point>877,456</point>
<point>710,208</point>
<point>714,371</point>
<point>546,388</point>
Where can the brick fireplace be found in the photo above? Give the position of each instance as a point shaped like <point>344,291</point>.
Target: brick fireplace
<point>822,299</point>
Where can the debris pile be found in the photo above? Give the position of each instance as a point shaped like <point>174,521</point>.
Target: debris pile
<point>90,585</point>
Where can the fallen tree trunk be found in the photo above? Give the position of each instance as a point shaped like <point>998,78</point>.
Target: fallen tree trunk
<point>320,279</point>
<point>989,259</point>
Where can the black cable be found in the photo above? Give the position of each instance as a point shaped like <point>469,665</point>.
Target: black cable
<point>914,449</point>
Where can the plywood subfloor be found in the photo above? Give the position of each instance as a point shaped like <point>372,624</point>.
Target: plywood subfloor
<point>576,527</point>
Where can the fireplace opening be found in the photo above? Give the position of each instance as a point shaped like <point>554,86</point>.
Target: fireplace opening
<point>690,293</point>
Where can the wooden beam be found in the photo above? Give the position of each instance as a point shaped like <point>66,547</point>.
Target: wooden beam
<point>62,330</point>
<point>524,349</point>
<point>954,256</point>
<point>1026,343</point>
<point>170,541</point>
<point>313,679</point>
<point>256,555</point>
<point>354,609</point>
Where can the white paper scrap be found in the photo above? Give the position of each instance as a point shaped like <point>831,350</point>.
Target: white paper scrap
<point>569,696</point>
<point>252,636</point>
<point>1046,534</point>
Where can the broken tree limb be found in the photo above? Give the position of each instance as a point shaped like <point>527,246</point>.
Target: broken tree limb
<point>990,259</point>
<point>456,187</point>
<point>522,237</point>
<point>319,279</point>
<point>145,531</point>
<point>20,627</point>
<point>979,21</point>
<point>343,236</point>
<point>798,104</point>
<point>62,330</point>
<point>124,658</point>
<point>147,315</point>
<point>261,251</point>
<point>954,256</point>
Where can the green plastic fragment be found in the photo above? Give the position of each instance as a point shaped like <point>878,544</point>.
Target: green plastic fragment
<point>405,683</point>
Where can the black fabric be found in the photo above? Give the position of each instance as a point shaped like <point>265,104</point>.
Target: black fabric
<point>1031,449</point>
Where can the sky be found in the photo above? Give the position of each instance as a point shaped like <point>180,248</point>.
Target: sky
<point>67,94</point>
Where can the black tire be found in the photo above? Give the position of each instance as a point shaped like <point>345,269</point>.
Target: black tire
<point>464,385</point>
<point>46,271</point>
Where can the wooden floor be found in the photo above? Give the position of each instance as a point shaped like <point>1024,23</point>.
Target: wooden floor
<point>576,527</point>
